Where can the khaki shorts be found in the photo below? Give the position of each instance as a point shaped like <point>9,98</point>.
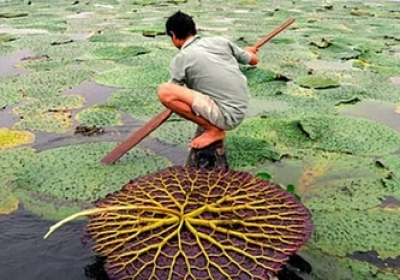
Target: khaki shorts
<point>205,107</point>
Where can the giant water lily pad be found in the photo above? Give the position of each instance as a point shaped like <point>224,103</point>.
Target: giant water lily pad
<point>133,77</point>
<point>8,202</point>
<point>9,96</point>
<point>57,122</point>
<point>185,222</point>
<point>117,53</point>
<point>317,82</point>
<point>11,160</point>
<point>99,116</point>
<point>351,135</point>
<point>12,138</point>
<point>140,103</point>
<point>52,104</point>
<point>73,175</point>
<point>45,84</point>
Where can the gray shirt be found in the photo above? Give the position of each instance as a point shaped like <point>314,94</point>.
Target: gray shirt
<point>210,66</point>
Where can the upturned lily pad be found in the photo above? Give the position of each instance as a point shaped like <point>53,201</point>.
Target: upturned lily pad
<point>196,223</point>
<point>99,116</point>
<point>133,77</point>
<point>317,82</point>
<point>12,138</point>
<point>57,122</point>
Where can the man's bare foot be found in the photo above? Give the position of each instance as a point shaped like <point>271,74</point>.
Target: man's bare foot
<point>207,137</point>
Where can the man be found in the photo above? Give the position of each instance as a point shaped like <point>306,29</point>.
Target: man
<point>206,85</point>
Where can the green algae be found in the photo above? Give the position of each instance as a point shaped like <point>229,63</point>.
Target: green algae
<point>74,173</point>
<point>13,138</point>
<point>99,116</point>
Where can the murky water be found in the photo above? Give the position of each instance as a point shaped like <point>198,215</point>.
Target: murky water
<point>24,251</point>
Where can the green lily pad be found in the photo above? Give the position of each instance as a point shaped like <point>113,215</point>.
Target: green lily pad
<point>357,231</point>
<point>52,104</point>
<point>13,15</point>
<point>99,116</point>
<point>117,53</point>
<point>56,122</point>
<point>351,135</point>
<point>317,82</point>
<point>133,77</point>
<point>139,103</point>
<point>176,131</point>
<point>8,202</point>
<point>45,84</point>
<point>7,38</point>
<point>9,95</point>
<point>340,268</point>
<point>13,138</point>
<point>75,175</point>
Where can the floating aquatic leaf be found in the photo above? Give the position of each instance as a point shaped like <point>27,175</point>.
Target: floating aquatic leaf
<point>52,104</point>
<point>7,38</point>
<point>75,173</point>
<point>8,202</point>
<point>13,15</point>
<point>99,116</point>
<point>351,135</point>
<point>12,138</point>
<point>140,103</point>
<point>117,53</point>
<point>317,82</point>
<point>133,77</point>
<point>202,224</point>
<point>57,122</point>
<point>9,95</point>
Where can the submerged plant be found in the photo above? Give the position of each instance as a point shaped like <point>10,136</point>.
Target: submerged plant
<point>187,223</point>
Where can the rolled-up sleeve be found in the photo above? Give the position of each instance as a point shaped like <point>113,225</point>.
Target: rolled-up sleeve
<point>177,70</point>
<point>241,55</point>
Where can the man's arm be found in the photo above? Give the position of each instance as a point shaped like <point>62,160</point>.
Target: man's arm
<point>244,56</point>
<point>177,71</point>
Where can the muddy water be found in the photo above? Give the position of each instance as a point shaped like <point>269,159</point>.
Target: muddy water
<point>25,255</point>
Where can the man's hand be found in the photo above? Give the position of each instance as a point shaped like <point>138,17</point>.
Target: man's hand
<point>252,50</point>
<point>254,58</point>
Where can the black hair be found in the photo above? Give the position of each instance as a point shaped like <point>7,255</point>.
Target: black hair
<point>181,24</point>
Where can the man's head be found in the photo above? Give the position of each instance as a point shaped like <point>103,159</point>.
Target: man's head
<point>179,27</point>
